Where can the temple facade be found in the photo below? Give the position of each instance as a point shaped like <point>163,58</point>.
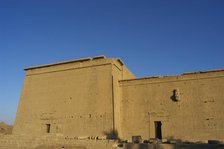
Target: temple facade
<point>97,97</point>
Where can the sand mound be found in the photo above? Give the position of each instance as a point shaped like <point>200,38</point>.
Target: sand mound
<point>5,129</point>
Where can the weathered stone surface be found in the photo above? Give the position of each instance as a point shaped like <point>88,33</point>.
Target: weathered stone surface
<point>75,98</point>
<point>198,114</point>
<point>29,142</point>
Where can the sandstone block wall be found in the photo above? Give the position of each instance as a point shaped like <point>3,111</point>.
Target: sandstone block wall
<point>101,97</point>
<point>74,98</point>
<point>189,107</point>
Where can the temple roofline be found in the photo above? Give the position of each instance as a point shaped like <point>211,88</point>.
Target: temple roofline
<point>66,62</point>
<point>183,74</point>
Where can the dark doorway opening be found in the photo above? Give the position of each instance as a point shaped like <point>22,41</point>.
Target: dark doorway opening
<point>48,128</point>
<point>158,129</point>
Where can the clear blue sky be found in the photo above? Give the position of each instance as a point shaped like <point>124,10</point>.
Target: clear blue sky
<point>152,37</point>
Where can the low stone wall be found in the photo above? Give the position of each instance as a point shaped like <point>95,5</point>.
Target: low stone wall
<point>27,142</point>
<point>59,147</point>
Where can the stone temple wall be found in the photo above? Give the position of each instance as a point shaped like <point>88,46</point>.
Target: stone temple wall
<point>72,99</point>
<point>75,98</point>
<point>187,107</point>
<point>100,98</point>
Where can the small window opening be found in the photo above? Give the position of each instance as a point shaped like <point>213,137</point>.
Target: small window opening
<point>48,128</point>
<point>158,129</point>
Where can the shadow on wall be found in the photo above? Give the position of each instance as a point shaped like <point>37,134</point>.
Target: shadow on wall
<point>175,96</point>
<point>113,134</point>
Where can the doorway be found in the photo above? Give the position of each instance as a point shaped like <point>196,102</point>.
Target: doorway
<point>48,128</point>
<point>158,129</point>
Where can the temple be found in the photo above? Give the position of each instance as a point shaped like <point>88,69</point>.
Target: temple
<point>99,97</point>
